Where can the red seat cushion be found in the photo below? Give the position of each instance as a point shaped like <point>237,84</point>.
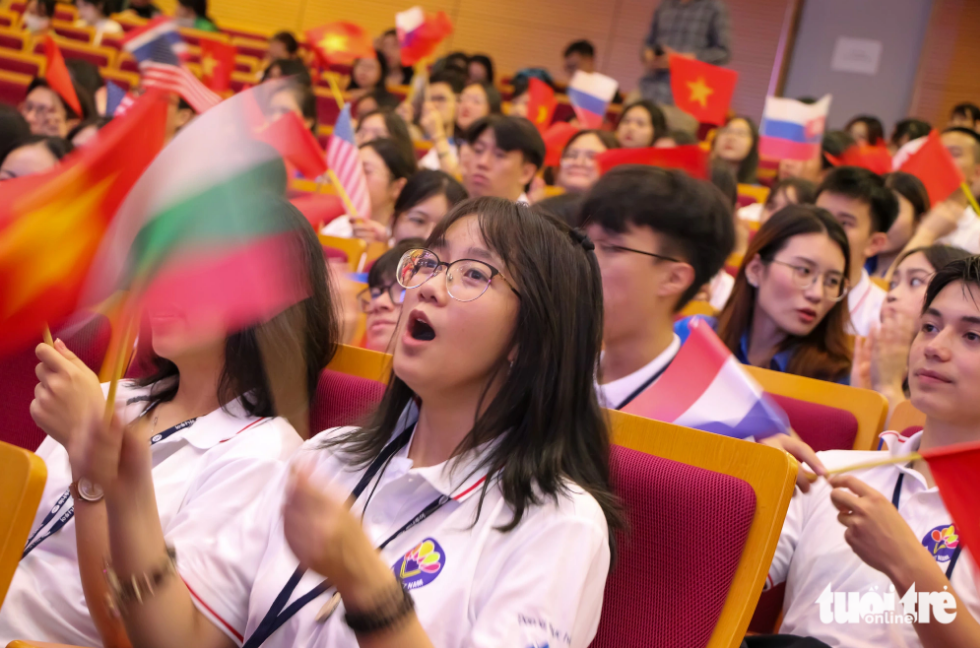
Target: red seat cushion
<point>86,335</point>
<point>12,92</point>
<point>821,426</point>
<point>11,41</point>
<point>30,68</point>
<point>342,399</point>
<point>80,35</point>
<point>676,564</point>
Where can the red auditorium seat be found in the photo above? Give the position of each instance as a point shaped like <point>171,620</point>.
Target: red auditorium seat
<point>13,87</point>
<point>7,19</point>
<point>127,63</point>
<point>98,56</point>
<point>87,336</point>
<point>65,12</point>
<point>251,47</point>
<point>21,63</point>
<point>12,39</point>
<point>69,31</point>
<point>18,7</point>
<point>326,107</point>
<point>115,41</point>
<point>676,564</point>
<point>342,399</point>
<point>822,427</point>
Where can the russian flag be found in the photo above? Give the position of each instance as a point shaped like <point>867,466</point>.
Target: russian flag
<point>590,94</point>
<point>419,33</point>
<point>159,41</point>
<point>706,388</point>
<point>792,130</point>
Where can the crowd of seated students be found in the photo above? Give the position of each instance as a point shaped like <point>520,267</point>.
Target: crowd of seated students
<point>460,298</point>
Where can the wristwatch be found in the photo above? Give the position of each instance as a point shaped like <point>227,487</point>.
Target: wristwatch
<point>86,491</point>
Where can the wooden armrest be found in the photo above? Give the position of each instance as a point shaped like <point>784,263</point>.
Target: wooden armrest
<point>17,643</point>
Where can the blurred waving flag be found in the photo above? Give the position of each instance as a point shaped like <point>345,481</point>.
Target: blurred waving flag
<point>792,130</point>
<point>956,470</point>
<point>701,89</point>
<point>158,41</point>
<point>295,143</point>
<point>57,75</point>
<point>876,159</point>
<point>180,80</point>
<point>556,138</point>
<point>927,159</point>
<point>706,388</point>
<point>344,160</point>
<point>419,33</point>
<point>52,225</point>
<point>195,236</point>
<point>217,64</point>
<point>340,42</point>
<point>541,104</point>
<point>590,94</point>
<point>690,158</point>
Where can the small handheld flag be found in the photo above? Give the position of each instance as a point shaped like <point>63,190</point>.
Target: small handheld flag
<point>556,138</point>
<point>876,159</point>
<point>180,80</point>
<point>340,42</point>
<point>217,64</point>
<point>541,104</point>
<point>296,144</point>
<point>706,388</point>
<point>343,159</point>
<point>792,130</point>
<point>934,166</point>
<point>590,94</point>
<point>690,158</point>
<point>419,33</point>
<point>701,89</point>
<point>158,41</point>
<point>58,77</point>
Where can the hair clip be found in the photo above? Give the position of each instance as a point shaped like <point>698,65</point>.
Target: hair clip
<point>583,239</point>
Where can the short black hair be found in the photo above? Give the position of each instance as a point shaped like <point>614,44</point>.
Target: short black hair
<point>972,134</point>
<point>657,118</point>
<point>85,73</point>
<point>910,188</point>
<point>428,183</point>
<point>399,165</point>
<point>381,96</point>
<point>876,132</point>
<point>911,128</point>
<point>384,268</point>
<point>291,68</point>
<point>566,207</point>
<point>834,143</point>
<point>13,129</point>
<point>963,270</point>
<point>512,134</point>
<point>485,61</point>
<point>868,187</point>
<point>59,147</point>
<point>692,215</point>
<point>724,178</point>
<point>522,82</point>
<point>580,47</point>
<point>966,109</point>
<point>806,191</point>
<point>451,77</point>
<point>288,40</point>
<point>49,7</point>
<point>199,7</point>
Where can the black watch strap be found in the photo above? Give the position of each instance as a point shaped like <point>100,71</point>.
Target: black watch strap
<point>387,614</point>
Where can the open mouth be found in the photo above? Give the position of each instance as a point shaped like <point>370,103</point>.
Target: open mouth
<point>419,327</point>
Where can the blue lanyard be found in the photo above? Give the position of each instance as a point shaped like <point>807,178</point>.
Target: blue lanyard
<point>277,616</point>
<point>896,497</point>
<point>66,517</point>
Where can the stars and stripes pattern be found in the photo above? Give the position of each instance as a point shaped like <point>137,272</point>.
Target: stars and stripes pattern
<point>343,159</point>
<point>174,78</point>
<point>158,41</point>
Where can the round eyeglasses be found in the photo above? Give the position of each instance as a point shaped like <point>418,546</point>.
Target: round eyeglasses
<point>369,295</point>
<point>834,286</point>
<point>466,279</point>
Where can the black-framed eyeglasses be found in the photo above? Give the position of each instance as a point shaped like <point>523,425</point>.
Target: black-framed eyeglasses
<point>610,246</point>
<point>835,287</point>
<point>367,296</point>
<point>466,279</point>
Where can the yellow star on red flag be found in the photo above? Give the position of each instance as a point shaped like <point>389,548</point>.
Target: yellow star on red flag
<point>334,43</point>
<point>700,91</point>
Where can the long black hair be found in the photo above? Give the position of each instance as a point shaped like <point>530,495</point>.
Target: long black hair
<point>309,327</point>
<point>545,421</point>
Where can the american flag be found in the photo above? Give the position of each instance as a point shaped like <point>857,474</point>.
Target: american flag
<point>344,160</point>
<point>174,78</point>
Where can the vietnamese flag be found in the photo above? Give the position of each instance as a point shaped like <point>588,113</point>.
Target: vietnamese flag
<point>52,225</point>
<point>690,158</point>
<point>58,77</point>
<point>876,159</point>
<point>419,33</point>
<point>701,89</point>
<point>217,64</point>
<point>555,140</point>
<point>294,141</point>
<point>541,104</point>
<point>935,167</point>
<point>956,471</point>
<point>340,42</point>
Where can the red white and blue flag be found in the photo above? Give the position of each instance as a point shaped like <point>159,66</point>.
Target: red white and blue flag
<point>791,129</point>
<point>344,160</point>
<point>590,94</point>
<point>707,388</point>
<point>158,41</point>
<point>419,33</point>
<point>178,79</point>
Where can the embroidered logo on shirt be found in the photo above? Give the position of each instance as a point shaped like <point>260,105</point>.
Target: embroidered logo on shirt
<point>941,542</point>
<point>421,565</point>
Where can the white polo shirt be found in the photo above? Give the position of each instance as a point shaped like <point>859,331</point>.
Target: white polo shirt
<point>473,586</point>
<point>204,476</point>
<point>966,236</point>
<point>813,554</point>
<point>865,301</point>
<point>614,395</point>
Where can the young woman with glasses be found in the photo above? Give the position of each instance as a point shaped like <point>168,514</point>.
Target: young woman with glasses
<point>579,169</point>
<point>381,301</point>
<point>787,311</point>
<point>473,510</point>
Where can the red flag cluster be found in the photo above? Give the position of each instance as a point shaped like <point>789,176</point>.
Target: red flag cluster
<point>692,158</point>
<point>340,43</point>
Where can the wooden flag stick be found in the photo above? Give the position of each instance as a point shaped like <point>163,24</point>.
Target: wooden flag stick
<point>338,96</point>
<point>47,335</point>
<point>348,205</point>
<point>915,456</point>
<point>969,197</point>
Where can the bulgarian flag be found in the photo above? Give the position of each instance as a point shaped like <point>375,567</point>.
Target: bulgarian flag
<point>199,236</point>
<point>53,224</point>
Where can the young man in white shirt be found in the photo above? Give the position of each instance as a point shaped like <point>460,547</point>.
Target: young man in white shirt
<point>963,145</point>
<point>882,530</point>
<point>866,209</point>
<point>438,120</point>
<point>660,236</point>
<point>500,156</point>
